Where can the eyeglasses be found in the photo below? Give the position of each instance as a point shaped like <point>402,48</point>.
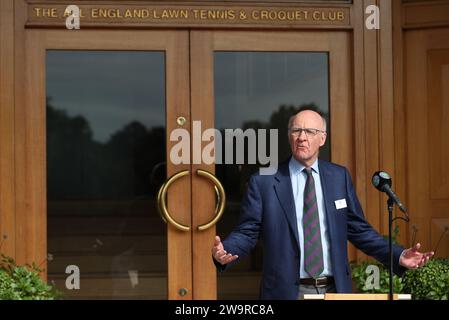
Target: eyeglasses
<point>310,132</point>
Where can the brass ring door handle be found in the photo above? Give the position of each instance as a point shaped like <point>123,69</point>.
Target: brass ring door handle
<point>221,199</point>
<point>162,201</point>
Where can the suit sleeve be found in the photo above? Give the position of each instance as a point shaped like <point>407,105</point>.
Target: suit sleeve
<point>364,236</point>
<point>245,236</point>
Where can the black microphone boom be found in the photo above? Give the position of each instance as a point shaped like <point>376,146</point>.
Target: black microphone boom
<point>382,181</point>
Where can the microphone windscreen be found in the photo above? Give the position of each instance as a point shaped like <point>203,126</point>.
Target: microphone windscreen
<point>380,179</point>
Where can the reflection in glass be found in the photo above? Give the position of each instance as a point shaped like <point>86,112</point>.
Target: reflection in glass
<point>260,90</point>
<point>105,163</point>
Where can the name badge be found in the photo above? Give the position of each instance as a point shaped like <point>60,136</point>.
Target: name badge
<point>340,204</point>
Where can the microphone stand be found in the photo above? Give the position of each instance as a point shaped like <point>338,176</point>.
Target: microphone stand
<point>390,203</point>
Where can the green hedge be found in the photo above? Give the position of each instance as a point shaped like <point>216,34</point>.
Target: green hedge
<point>428,282</point>
<point>360,277</point>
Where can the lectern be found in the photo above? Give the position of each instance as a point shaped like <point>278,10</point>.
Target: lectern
<point>356,296</point>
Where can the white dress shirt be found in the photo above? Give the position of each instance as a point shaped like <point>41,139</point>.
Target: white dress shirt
<point>298,179</point>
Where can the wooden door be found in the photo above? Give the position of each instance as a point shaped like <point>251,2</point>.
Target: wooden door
<point>92,151</point>
<point>427,136</point>
<point>234,75</point>
<point>109,230</point>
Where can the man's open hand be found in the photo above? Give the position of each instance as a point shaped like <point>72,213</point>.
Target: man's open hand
<point>220,254</point>
<point>412,259</point>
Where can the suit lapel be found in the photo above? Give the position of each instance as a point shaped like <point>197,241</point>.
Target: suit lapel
<point>284,193</point>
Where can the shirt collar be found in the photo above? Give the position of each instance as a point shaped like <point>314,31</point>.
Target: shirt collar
<point>296,167</point>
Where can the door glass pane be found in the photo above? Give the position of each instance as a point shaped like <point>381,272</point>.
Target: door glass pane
<point>105,163</point>
<point>261,90</point>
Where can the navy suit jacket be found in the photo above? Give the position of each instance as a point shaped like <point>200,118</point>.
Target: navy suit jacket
<point>268,213</point>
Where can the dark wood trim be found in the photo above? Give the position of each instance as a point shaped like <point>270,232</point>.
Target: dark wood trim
<point>425,14</point>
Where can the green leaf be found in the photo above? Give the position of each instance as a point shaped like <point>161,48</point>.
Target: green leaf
<point>23,282</point>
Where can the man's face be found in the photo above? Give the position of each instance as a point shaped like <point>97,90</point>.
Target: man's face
<point>305,146</point>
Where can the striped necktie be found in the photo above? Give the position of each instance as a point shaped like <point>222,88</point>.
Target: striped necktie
<point>313,249</point>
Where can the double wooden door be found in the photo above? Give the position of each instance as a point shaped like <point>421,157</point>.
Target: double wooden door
<point>114,142</point>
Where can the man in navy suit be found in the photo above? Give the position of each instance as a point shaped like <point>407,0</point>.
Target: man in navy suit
<point>304,214</point>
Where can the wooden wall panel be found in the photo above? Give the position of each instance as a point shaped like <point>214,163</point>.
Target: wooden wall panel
<point>438,108</point>
<point>359,176</point>
<point>378,117</point>
<point>374,109</point>
<point>341,101</point>
<point>416,117</point>
<point>7,218</point>
<point>399,117</point>
<point>427,133</point>
<point>439,233</point>
<point>20,154</point>
<point>386,103</point>
<point>426,14</point>
<point>31,232</point>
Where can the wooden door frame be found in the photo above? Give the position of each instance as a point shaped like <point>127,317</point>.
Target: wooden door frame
<point>203,44</point>
<point>198,275</point>
<point>30,129</point>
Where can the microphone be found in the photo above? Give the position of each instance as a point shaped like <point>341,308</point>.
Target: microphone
<point>382,181</point>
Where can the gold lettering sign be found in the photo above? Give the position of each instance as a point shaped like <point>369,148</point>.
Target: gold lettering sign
<point>139,15</point>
